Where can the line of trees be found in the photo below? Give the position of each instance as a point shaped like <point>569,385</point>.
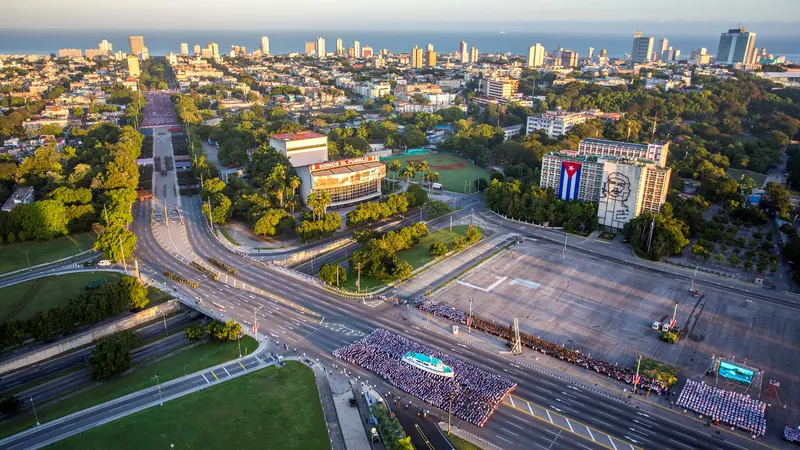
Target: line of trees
<point>83,308</point>
<point>378,257</point>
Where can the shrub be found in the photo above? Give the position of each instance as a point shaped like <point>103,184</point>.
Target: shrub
<point>668,337</point>
<point>437,249</point>
<point>194,332</point>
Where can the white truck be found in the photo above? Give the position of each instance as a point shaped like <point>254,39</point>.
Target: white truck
<point>437,186</point>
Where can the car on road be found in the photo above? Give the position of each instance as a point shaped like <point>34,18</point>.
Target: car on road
<point>104,263</point>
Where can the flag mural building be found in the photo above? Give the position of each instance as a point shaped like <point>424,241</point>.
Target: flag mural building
<point>570,180</point>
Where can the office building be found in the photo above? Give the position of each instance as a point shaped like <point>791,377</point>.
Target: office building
<point>184,48</point>
<point>416,58</point>
<point>196,49</point>
<point>311,48</point>
<point>357,49</point>
<point>474,55</point>
<point>463,51</point>
<point>265,45</point>
<point>213,47</point>
<point>22,196</point>
<point>736,47</point>
<point>321,54</point>
<point>663,45</point>
<point>429,48</point>
<point>656,152</point>
<point>501,87</point>
<point>642,48</point>
<point>536,55</point>
<point>339,47</point>
<point>554,123</point>
<point>136,44</point>
<point>590,53</point>
<point>430,57</point>
<point>348,181</point>
<point>622,188</point>
<point>70,53</point>
<point>133,66</point>
<point>700,56</point>
<point>302,148</point>
<point>367,52</point>
<point>104,50</point>
<point>569,58</point>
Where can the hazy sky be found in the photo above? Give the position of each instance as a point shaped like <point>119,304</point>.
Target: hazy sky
<point>393,14</point>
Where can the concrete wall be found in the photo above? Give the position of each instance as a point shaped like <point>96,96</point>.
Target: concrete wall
<point>90,336</point>
<point>305,255</point>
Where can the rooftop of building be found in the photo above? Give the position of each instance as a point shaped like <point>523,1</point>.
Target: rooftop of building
<point>573,156</point>
<point>627,144</point>
<point>17,197</point>
<point>297,136</point>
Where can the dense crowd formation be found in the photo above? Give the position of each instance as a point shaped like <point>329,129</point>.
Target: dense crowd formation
<point>159,110</point>
<point>474,393</point>
<point>728,407</point>
<point>791,434</point>
<point>621,373</point>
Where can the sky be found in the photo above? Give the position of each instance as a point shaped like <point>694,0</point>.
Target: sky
<point>592,16</point>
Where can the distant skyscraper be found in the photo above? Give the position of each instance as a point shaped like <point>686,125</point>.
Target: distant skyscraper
<point>184,48</point>
<point>196,49</point>
<point>430,57</point>
<point>590,53</point>
<point>321,48</point>
<point>311,48</point>
<point>663,44</point>
<point>603,53</point>
<point>339,47</point>
<point>535,55</point>
<point>736,46</point>
<point>416,58</point>
<point>106,47</point>
<point>642,48</point>
<point>213,47</point>
<point>474,55</point>
<point>357,49</point>
<point>569,58</point>
<point>265,45</point>
<point>462,48</point>
<point>133,66</point>
<point>429,48</point>
<point>136,44</point>
<point>367,52</point>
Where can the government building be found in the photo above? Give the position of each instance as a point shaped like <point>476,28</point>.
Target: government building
<point>622,185</point>
<point>347,181</point>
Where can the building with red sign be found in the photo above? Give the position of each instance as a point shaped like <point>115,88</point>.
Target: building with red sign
<point>348,181</point>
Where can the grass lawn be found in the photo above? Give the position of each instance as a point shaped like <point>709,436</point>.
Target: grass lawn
<point>417,256</point>
<point>461,444</point>
<point>23,300</point>
<point>736,174</point>
<point>275,408</point>
<point>191,360</point>
<point>12,257</point>
<point>453,170</point>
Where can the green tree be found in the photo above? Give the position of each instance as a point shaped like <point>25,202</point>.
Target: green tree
<point>319,201</point>
<point>194,332</point>
<point>268,224</point>
<point>779,199</point>
<point>333,274</point>
<point>430,178</point>
<point>437,249</point>
<point>42,220</point>
<point>133,292</point>
<point>224,331</point>
<point>112,355</point>
<point>113,238</point>
<point>394,167</point>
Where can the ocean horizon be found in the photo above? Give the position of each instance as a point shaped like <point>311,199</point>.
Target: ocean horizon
<point>161,42</point>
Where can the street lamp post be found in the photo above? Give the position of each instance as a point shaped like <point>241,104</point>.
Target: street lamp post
<point>160,399</point>
<point>34,412</point>
<point>239,343</point>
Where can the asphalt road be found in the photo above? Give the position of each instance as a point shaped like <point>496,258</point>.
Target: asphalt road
<point>44,272</point>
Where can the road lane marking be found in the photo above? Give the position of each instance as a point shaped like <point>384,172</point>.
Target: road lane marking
<point>548,416</point>
<point>501,437</point>
<point>512,401</point>
<point>612,442</point>
<point>215,375</point>
<point>243,367</point>
<point>569,424</point>
<point>509,432</point>
<point>590,434</point>
<point>515,425</point>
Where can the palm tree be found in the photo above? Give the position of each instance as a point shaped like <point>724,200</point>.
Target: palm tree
<point>408,172</point>
<point>294,184</point>
<point>423,167</point>
<point>394,166</point>
<point>430,178</point>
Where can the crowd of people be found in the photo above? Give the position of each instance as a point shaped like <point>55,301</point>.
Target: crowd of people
<point>159,110</point>
<point>791,434</point>
<point>472,394</point>
<point>732,408</point>
<point>621,373</point>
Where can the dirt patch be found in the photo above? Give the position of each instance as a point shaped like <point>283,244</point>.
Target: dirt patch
<point>433,166</point>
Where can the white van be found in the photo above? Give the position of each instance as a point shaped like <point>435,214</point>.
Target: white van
<point>437,186</point>
<point>104,263</point>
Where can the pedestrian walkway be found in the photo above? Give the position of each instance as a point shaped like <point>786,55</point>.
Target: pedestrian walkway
<point>349,418</point>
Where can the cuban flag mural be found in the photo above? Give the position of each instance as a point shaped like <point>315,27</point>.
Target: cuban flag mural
<point>570,180</point>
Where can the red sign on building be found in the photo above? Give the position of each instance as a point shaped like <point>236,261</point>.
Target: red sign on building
<point>343,162</point>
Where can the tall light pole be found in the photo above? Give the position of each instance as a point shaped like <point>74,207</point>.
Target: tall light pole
<point>160,399</point>
<point>164,316</point>
<point>239,343</point>
<point>255,321</point>
<point>469,320</point>
<point>29,261</point>
<point>34,412</point>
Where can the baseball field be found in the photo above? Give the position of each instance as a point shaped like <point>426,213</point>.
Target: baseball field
<point>453,170</point>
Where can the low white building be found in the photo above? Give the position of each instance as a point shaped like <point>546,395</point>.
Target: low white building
<point>554,123</point>
<point>302,148</point>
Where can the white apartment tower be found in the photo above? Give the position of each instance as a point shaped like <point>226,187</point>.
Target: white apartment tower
<point>535,55</point>
<point>321,48</point>
<point>474,56</point>
<point>357,49</point>
<point>265,45</point>
<point>462,49</point>
<point>339,47</point>
<point>184,48</point>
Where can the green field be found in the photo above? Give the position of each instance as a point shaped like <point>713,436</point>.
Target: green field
<point>191,360</point>
<point>461,444</point>
<point>12,257</point>
<point>23,300</point>
<point>417,256</point>
<point>275,408</point>
<point>736,174</point>
<point>453,170</point>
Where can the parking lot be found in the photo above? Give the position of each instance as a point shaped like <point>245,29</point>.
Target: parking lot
<point>607,310</point>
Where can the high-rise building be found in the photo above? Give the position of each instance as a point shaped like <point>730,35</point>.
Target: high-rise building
<point>106,47</point>
<point>663,44</point>
<point>213,47</point>
<point>430,57</point>
<point>133,66</point>
<point>184,48</point>
<point>367,52</point>
<point>357,49</point>
<point>321,54</point>
<point>642,48</point>
<point>590,53</point>
<point>462,49</point>
<point>416,58</point>
<point>501,87</point>
<point>535,55</point>
<point>339,47</point>
<point>569,58</point>
<point>736,46</point>
<point>265,45</point>
<point>429,48</point>
<point>603,53</point>
<point>136,44</point>
<point>196,49</point>
<point>474,55</point>
<point>351,52</point>
<point>656,151</point>
<point>311,48</point>
<point>69,53</point>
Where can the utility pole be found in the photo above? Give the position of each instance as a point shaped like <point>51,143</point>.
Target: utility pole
<point>564,253</point>
<point>160,399</point>
<point>164,316</point>
<point>210,219</point>
<point>255,320</point>
<point>29,261</point>
<point>122,253</point>
<point>693,277</point>
<point>450,409</point>
<point>636,378</point>
<point>420,212</point>
<point>166,217</point>
<point>34,412</point>
<point>451,222</point>
<point>469,320</point>
<point>239,342</point>
<point>358,281</point>
<point>337,275</point>
<point>471,211</point>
